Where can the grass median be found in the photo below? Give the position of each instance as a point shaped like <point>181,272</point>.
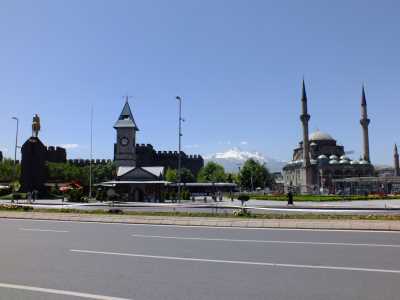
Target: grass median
<point>239,214</point>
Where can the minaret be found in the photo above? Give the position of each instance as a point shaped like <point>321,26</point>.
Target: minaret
<point>305,117</point>
<point>364,124</point>
<point>396,161</point>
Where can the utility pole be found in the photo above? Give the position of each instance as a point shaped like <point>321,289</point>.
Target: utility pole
<point>240,181</point>
<point>179,147</point>
<point>91,153</point>
<point>16,146</point>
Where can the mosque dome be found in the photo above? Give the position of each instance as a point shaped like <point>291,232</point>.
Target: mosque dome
<point>354,162</point>
<point>322,156</point>
<point>333,157</point>
<point>320,136</point>
<point>364,162</point>
<point>344,157</point>
<point>343,161</point>
<point>333,162</point>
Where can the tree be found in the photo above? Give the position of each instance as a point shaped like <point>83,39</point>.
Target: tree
<point>186,175</point>
<point>8,171</point>
<point>170,175</point>
<point>254,174</point>
<point>212,172</point>
<point>61,172</point>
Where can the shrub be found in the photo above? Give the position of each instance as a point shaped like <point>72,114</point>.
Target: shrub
<point>101,195</point>
<point>75,195</point>
<point>17,196</point>
<point>242,212</point>
<point>243,197</point>
<point>185,195</point>
<point>5,191</point>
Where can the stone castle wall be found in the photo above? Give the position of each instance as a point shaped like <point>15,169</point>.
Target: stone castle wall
<point>56,154</point>
<point>146,156</point>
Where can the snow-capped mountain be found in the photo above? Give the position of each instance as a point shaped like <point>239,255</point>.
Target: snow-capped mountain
<point>233,158</point>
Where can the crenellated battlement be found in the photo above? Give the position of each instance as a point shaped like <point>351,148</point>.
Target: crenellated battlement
<point>147,156</point>
<point>56,154</point>
<point>86,162</point>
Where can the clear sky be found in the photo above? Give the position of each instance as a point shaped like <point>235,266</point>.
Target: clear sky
<point>238,65</point>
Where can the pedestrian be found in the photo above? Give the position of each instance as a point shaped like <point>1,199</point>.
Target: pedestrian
<point>35,195</point>
<point>290,198</point>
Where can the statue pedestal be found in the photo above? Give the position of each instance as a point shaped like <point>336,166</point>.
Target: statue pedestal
<point>33,165</point>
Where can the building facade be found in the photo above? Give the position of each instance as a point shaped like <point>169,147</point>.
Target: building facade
<point>319,160</point>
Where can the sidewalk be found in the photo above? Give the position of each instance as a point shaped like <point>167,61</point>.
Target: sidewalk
<point>204,221</point>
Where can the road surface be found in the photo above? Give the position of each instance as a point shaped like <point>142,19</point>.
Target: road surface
<point>71,260</point>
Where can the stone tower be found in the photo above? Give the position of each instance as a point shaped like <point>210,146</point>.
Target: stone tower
<point>125,146</point>
<point>396,161</point>
<point>364,124</point>
<point>305,117</point>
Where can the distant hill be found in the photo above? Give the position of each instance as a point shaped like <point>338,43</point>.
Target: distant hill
<point>233,158</point>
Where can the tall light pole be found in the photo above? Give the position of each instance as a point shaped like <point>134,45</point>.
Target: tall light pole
<point>16,146</point>
<point>91,153</point>
<point>179,147</point>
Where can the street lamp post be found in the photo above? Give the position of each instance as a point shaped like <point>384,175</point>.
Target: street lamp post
<point>16,146</point>
<point>179,147</point>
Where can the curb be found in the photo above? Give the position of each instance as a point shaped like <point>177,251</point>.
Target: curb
<point>373,225</point>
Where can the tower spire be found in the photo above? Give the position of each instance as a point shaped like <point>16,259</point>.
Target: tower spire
<point>305,117</point>
<point>364,125</point>
<point>396,161</point>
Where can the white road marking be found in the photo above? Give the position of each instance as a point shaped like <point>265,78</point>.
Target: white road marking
<point>264,241</point>
<point>58,292</point>
<point>239,262</point>
<point>43,230</point>
<point>206,227</point>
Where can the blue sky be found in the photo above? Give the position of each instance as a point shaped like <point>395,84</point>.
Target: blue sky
<point>238,65</point>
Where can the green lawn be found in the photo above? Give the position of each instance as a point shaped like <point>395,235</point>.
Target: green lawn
<point>322,198</point>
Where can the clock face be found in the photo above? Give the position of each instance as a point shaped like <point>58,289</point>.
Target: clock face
<point>124,141</point>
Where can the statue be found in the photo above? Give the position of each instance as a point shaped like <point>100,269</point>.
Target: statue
<point>35,126</point>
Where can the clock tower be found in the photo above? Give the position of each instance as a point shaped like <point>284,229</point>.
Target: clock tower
<point>125,146</point>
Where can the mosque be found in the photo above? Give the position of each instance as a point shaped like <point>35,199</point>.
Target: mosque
<point>318,160</point>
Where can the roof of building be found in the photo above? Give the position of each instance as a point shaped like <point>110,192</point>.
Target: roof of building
<point>320,136</point>
<point>156,171</point>
<point>126,119</point>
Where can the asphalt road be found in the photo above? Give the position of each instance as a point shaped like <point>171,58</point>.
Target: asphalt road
<point>70,260</point>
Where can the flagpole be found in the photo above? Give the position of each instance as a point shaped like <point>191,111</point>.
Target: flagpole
<point>91,153</point>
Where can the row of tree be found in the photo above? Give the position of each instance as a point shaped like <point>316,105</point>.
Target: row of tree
<point>252,174</point>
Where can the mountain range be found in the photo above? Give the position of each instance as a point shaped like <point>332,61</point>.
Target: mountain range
<point>234,158</point>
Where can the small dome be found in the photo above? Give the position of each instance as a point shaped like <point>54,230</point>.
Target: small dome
<point>333,157</point>
<point>364,162</point>
<point>354,162</point>
<point>313,144</point>
<point>343,161</point>
<point>322,156</point>
<point>320,136</point>
<point>344,157</point>
<point>333,162</point>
